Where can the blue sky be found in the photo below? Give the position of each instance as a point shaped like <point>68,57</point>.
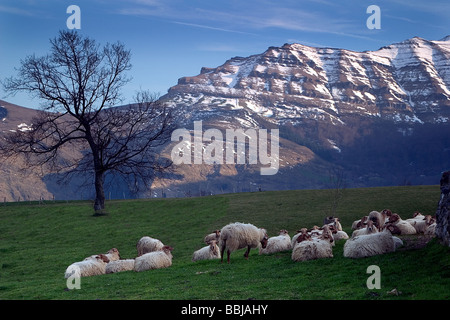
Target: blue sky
<point>170,39</point>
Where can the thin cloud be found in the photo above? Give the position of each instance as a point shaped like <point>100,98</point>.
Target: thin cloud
<point>209,27</point>
<point>17,11</point>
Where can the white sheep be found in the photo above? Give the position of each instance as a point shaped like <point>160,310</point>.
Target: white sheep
<point>421,224</point>
<point>120,265</point>
<point>112,255</point>
<point>148,244</point>
<point>90,266</point>
<point>417,216</point>
<point>235,236</point>
<point>210,251</point>
<point>370,228</point>
<point>215,235</point>
<point>309,248</point>
<point>339,235</point>
<point>282,242</point>
<point>154,260</point>
<point>369,245</point>
<point>405,227</point>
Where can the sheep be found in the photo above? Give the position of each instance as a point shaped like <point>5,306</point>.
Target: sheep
<point>215,235</point>
<point>416,217</point>
<point>422,224</point>
<point>282,242</point>
<point>369,245</point>
<point>90,266</point>
<point>154,260</point>
<point>235,236</point>
<point>333,221</point>
<point>370,228</point>
<point>310,248</point>
<point>358,224</point>
<point>148,244</point>
<point>340,234</point>
<point>379,218</point>
<point>119,265</point>
<point>211,251</point>
<point>299,233</point>
<point>327,234</point>
<point>405,227</point>
<point>112,255</point>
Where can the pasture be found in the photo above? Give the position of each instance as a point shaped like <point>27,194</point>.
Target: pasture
<point>39,241</point>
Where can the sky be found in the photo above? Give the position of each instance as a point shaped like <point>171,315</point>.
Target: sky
<point>170,39</point>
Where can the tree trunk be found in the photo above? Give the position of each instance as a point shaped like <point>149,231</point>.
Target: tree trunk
<point>99,204</point>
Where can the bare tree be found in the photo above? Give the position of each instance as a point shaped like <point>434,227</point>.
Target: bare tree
<point>80,84</point>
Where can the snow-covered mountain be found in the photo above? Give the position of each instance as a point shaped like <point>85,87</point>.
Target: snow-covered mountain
<point>380,116</point>
<point>404,82</point>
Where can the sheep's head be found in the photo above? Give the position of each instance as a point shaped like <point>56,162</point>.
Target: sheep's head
<point>362,222</point>
<point>264,240</point>
<point>333,228</point>
<point>213,247</point>
<point>102,257</point>
<point>394,218</point>
<point>114,251</point>
<point>283,232</point>
<point>393,229</point>
<point>429,219</point>
<point>386,212</point>
<point>167,249</point>
<point>371,228</point>
<point>417,213</point>
<point>304,236</point>
<point>326,234</point>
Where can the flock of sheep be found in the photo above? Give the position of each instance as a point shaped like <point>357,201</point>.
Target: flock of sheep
<point>371,235</point>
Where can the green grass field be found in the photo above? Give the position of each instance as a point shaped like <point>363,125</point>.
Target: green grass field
<point>39,241</point>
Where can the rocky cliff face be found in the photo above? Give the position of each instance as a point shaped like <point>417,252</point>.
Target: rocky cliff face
<point>443,211</point>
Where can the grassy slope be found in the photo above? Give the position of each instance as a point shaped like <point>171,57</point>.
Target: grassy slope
<point>38,242</point>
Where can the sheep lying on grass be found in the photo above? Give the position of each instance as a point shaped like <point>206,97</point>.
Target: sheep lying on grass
<point>120,265</point>
<point>148,244</point>
<point>279,243</point>
<point>154,260</point>
<point>421,223</point>
<point>404,226</point>
<point>369,245</point>
<point>111,255</point>
<point>91,266</point>
<point>370,228</point>
<point>235,236</point>
<point>310,248</point>
<point>210,251</point>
